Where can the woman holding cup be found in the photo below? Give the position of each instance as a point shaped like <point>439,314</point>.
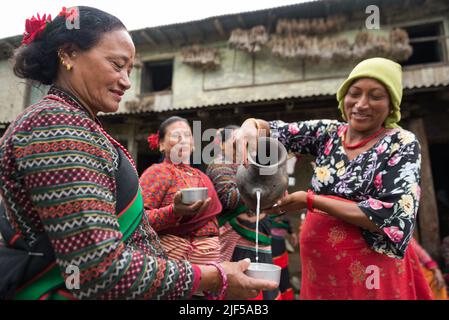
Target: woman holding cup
<point>177,206</point>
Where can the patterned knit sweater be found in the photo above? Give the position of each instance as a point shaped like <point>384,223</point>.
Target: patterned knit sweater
<point>57,176</point>
<point>223,175</point>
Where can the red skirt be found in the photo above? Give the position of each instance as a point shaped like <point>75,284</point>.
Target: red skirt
<point>337,264</point>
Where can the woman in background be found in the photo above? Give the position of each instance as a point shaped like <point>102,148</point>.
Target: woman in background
<point>188,232</point>
<point>432,272</point>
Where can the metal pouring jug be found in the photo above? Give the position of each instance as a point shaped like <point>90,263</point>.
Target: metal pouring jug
<point>267,173</point>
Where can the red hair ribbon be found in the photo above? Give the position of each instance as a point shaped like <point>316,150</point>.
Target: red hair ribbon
<point>34,28</point>
<point>153,140</point>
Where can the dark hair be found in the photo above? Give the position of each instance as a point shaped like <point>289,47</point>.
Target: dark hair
<point>223,136</point>
<point>166,123</point>
<point>39,60</point>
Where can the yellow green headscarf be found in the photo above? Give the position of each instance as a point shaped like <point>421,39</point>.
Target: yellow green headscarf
<point>387,72</point>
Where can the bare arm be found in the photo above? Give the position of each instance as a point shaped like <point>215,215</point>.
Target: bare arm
<point>346,211</point>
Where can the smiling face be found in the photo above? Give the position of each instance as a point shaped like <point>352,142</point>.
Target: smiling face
<point>366,105</point>
<point>100,75</point>
<point>177,144</point>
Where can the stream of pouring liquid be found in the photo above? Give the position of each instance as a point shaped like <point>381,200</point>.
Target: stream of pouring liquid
<point>257,224</point>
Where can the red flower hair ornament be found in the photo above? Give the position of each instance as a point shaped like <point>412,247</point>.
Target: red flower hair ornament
<point>34,28</point>
<point>153,140</point>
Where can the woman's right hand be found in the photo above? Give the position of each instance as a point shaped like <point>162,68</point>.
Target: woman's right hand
<point>240,286</point>
<point>246,138</point>
<point>181,209</point>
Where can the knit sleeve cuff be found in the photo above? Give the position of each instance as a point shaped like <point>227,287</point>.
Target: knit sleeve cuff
<point>197,278</point>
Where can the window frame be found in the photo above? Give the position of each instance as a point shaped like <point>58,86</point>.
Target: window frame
<point>161,60</point>
<point>444,40</point>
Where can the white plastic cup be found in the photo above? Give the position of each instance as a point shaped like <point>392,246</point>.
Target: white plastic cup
<point>192,195</point>
<point>264,271</point>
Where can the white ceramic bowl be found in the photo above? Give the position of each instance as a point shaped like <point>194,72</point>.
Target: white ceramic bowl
<point>192,195</point>
<point>264,271</point>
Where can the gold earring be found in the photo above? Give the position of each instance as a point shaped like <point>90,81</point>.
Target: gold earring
<point>68,66</point>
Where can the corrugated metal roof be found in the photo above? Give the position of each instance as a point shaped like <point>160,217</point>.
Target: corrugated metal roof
<point>426,77</point>
<point>219,27</point>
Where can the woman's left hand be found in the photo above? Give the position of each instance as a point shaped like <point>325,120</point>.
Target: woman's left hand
<point>438,279</point>
<point>290,203</point>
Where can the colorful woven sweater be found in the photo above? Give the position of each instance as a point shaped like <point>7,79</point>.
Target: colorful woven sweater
<point>223,173</point>
<point>57,176</point>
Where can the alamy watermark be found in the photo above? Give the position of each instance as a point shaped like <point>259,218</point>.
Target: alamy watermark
<point>372,22</point>
<point>372,281</point>
<point>72,281</point>
<point>72,18</point>
<point>265,154</point>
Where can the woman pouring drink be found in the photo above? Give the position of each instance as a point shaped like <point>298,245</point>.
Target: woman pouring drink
<point>364,193</point>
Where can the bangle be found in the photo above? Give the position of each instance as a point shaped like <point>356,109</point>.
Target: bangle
<point>224,282</point>
<point>309,198</point>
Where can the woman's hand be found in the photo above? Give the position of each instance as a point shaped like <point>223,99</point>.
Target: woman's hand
<point>181,209</point>
<point>240,286</point>
<point>290,203</point>
<point>438,279</point>
<point>246,138</point>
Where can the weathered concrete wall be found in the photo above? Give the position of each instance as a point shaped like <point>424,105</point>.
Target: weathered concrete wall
<point>12,91</point>
<point>243,77</point>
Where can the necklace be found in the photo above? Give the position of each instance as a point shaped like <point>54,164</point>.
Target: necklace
<point>185,170</point>
<point>118,145</point>
<point>363,142</point>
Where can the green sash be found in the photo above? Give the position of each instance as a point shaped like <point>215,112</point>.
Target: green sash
<point>222,219</point>
<point>128,219</point>
<point>248,233</point>
<point>279,225</point>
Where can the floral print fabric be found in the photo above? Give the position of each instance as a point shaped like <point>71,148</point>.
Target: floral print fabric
<point>383,180</point>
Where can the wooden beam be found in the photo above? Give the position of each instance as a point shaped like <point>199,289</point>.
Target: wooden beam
<point>271,20</point>
<point>429,231</point>
<point>241,21</point>
<point>165,36</point>
<point>200,31</point>
<point>148,38</point>
<point>181,34</point>
<point>219,27</point>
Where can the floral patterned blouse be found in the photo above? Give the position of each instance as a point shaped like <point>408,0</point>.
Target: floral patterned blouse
<point>383,180</point>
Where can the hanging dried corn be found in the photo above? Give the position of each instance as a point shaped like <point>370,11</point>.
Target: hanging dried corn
<point>199,57</point>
